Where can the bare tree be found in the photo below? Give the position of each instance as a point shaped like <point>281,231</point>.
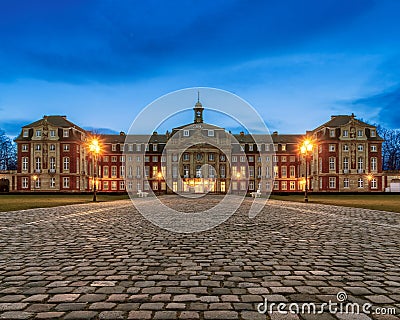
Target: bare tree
<point>8,152</point>
<point>390,148</point>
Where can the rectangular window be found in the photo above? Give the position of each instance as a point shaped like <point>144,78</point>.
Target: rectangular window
<point>292,159</point>
<point>38,147</point>
<point>38,164</point>
<point>276,185</point>
<point>332,133</point>
<point>105,171</point>
<point>251,158</point>
<point>284,185</point>
<point>242,159</point>
<point>346,147</point>
<point>66,134</point>
<point>138,147</point>
<point>251,185</point>
<point>122,185</point>
<point>105,159</point>
<point>242,147</point>
<point>186,133</point>
<point>186,156</point>
<point>175,172</point>
<point>154,171</point>
<point>234,158</point>
<point>105,185</point>
<point>211,172</point>
<point>122,159</point>
<point>52,147</point>
<point>283,172</point>
<point>25,163</point>
<point>292,171</point>
<point>283,147</point>
<point>243,172</point>
<point>374,184</point>
<point>374,165</point>
<point>234,185</point>
<point>130,148</point>
<point>24,183</point>
<point>374,148</point>
<point>345,133</point>
<point>52,182</point>
<point>275,158</point>
<point>361,183</point>
<point>222,158</point>
<point>346,164</point>
<point>360,147</point>
<point>211,157</point>
<point>234,172</point>
<point>332,163</point>
<point>25,134</point>
<point>251,171</point>
<point>332,148</point>
<point>155,185</point>
<point>332,182</point>
<point>292,185</point>
<point>38,133</point>
<point>155,147</point>
<point>155,158</point>
<point>66,163</point>
<point>211,133</point>
<point>37,183</point>
<point>113,171</point>
<point>52,133</point>
<point>360,164</point>
<point>283,159</point>
<point>113,185</point>
<point>52,164</point>
<point>65,182</point>
<point>122,171</point>
<point>242,185</point>
<point>222,171</point>
<point>114,159</point>
<point>346,183</point>
<point>24,147</point>
<point>276,171</point>
<point>359,133</point>
<point>251,148</point>
<point>66,147</point>
<point>138,172</point>
<point>147,159</point>
<point>138,159</point>
<point>113,147</point>
<point>267,147</point>
<point>373,133</point>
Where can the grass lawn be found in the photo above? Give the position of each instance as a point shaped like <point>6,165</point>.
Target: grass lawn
<point>376,202</point>
<point>10,202</point>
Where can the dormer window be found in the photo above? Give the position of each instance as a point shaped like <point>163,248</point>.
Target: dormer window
<point>38,133</point>
<point>332,133</point>
<point>251,147</point>
<point>345,133</point>
<point>359,133</point>
<point>65,133</point>
<point>373,133</point>
<point>52,133</point>
<point>25,133</point>
<point>211,133</point>
<point>283,147</point>
<point>186,133</point>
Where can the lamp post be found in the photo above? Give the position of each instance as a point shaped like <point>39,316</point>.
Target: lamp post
<point>370,177</point>
<point>306,150</point>
<point>238,182</point>
<point>94,148</point>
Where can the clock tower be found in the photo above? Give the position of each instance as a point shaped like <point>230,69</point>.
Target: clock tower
<point>198,110</point>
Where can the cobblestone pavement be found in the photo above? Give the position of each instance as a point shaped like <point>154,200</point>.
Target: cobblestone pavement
<point>105,261</point>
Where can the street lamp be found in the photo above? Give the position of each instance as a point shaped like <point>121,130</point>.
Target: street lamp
<point>306,150</point>
<point>370,177</point>
<point>94,148</point>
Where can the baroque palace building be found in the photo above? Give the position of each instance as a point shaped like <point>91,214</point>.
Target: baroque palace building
<point>53,155</point>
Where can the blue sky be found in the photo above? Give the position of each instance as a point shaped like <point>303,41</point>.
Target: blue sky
<point>295,62</point>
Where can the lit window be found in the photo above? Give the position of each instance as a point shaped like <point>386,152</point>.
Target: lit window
<point>283,159</point>
<point>113,185</point>
<point>284,185</point>
<point>292,185</point>
<point>284,147</point>
<point>24,183</point>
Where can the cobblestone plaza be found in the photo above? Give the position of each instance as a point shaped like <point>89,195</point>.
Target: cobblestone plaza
<point>105,261</point>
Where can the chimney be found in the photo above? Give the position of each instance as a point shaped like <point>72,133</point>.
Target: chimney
<point>241,133</point>
<point>122,133</point>
<point>275,133</point>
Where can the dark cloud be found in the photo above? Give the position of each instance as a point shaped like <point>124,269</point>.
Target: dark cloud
<point>110,41</point>
<point>388,104</point>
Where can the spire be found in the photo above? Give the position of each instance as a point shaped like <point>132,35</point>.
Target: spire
<point>198,110</point>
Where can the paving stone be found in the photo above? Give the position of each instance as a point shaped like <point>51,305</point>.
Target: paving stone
<point>112,315</point>
<point>10,315</point>
<point>165,315</point>
<point>223,315</point>
<point>49,315</point>
<point>140,315</point>
<point>81,315</point>
<point>7,306</point>
<point>64,297</point>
